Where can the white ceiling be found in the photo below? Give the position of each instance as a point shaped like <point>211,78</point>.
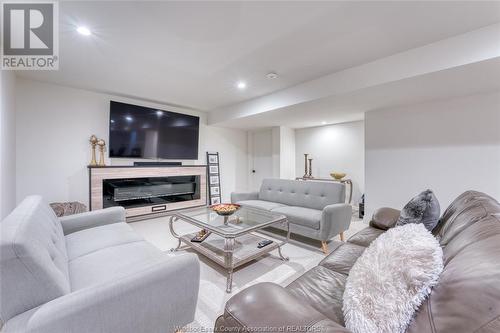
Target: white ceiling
<point>192,53</point>
<point>464,80</point>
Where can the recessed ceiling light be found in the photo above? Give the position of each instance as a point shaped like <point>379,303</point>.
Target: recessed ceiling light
<point>84,31</point>
<point>272,75</point>
<point>323,123</point>
<point>241,85</point>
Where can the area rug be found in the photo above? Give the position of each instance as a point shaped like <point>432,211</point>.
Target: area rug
<point>212,295</point>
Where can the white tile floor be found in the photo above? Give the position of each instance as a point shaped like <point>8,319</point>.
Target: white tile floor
<point>304,254</point>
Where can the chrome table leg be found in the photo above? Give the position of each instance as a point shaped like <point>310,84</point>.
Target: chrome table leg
<point>228,262</point>
<point>285,242</point>
<point>174,218</point>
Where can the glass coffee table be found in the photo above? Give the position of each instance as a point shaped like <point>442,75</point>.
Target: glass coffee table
<point>233,240</point>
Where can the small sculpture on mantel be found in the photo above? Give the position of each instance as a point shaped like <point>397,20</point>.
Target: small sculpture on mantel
<point>93,142</point>
<point>102,144</point>
<point>306,174</point>
<point>307,169</point>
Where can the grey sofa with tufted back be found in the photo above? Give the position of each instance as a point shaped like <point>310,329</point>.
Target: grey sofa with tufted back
<point>314,209</point>
<point>89,272</point>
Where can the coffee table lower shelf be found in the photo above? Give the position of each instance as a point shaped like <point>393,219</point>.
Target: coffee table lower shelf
<point>245,248</point>
<point>229,249</point>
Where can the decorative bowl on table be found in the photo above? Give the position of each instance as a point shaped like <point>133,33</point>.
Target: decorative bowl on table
<point>338,175</point>
<point>225,209</point>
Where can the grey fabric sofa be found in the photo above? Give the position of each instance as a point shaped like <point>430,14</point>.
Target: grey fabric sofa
<point>89,272</point>
<point>314,209</point>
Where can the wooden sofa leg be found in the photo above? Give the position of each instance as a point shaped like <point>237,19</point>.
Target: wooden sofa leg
<point>324,247</point>
<point>342,236</point>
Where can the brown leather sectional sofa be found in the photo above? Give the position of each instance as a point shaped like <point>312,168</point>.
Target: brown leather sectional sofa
<point>467,298</point>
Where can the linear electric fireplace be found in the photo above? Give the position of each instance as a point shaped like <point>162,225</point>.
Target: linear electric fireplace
<point>158,191</point>
<point>147,190</point>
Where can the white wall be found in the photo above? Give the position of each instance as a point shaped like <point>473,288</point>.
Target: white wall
<point>232,147</point>
<point>53,127</point>
<point>7,143</point>
<point>448,146</point>
<point>271,154</point>
<point>287,152</point>
<point>261,157</point>
<point>338,147</point>
<point>283,143</point>
<point>276,149</point>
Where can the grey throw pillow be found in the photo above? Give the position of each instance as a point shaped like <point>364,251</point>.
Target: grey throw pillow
<point>424,208</point>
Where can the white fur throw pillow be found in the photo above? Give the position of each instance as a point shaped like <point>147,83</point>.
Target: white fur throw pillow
<point>391,279</point>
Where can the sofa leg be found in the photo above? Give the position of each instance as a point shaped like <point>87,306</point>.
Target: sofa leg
<point>324,247</point>
<point>342,236</point>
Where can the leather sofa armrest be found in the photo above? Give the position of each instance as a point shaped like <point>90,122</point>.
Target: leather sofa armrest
<point>240,196</point>
<point>268,307</point>
<point>385,218</point>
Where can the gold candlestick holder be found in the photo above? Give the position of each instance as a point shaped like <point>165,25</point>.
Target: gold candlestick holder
<point>102,144</point>
<point>93,142</point>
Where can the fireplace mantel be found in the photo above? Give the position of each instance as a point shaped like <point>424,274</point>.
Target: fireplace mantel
<point>158,203</point>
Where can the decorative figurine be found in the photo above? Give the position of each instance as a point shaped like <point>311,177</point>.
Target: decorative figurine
<point>93,141</point>
<point>305,166</point>
<point>201,236</point>
<point>101,143</point>
<point>338,175</point>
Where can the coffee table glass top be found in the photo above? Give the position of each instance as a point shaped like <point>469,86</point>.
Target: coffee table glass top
<point>241,222</point>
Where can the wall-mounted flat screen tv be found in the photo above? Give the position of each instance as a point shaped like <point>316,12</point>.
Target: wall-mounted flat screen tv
<point>141,132</point>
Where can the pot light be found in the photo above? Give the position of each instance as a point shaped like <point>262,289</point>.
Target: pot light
<point>323,123</point>
<point>272,75</point>
<point>241,85</point>
<point>84,31</point>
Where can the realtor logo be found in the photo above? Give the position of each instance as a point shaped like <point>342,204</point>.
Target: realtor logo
<point>30,36</point>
